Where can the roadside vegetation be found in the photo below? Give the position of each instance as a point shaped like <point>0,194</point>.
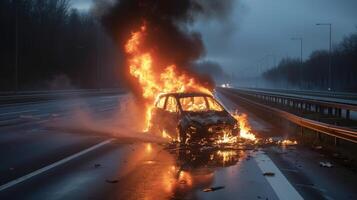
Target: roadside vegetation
<point>313,73</point>
<point>53,47</point>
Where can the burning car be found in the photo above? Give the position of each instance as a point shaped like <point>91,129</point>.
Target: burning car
<point>191,117</point>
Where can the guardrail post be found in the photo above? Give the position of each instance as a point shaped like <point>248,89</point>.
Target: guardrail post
<point>337,141</point>
<point>347,114</point>
<point>321,109</point>
<point>302,132</point>
<point>330,111</point>
<point>319,135</point>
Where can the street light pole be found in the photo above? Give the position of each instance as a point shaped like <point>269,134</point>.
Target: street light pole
<point>16,48</point>
<point>300,71</point>
<point>330,54</point>
<point>300,39</point>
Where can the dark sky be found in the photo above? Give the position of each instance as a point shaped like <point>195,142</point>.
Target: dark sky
<point>258,31</point>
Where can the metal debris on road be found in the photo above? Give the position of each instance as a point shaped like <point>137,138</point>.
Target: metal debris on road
<point>111,181</point>
<point>268,174</point>
<point>211,189</point>
<point>326,164</point>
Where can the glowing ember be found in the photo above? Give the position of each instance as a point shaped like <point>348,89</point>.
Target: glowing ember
<point>287,142</point>
<point>227,155</point>
<point>152,78</point>
<point>227,138</point>
<point>165,134</point>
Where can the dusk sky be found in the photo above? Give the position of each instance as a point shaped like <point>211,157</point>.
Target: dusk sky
<point>260,31</point>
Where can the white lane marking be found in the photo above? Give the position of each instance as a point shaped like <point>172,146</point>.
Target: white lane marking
<point>42,121</point>
<point>106,100</point>
<point>48,167</point>
<point>24,111</point>
<point>279,183</point>
<point>103,110</point>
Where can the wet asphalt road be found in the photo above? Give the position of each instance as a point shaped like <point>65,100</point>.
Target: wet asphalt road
<point>122,169</point>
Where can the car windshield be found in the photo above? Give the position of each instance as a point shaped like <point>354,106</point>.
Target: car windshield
<point>213,104</point>
<point>199,104</point>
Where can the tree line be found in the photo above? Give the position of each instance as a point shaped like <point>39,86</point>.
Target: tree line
<point>45,44</point>
<point>313,73</point>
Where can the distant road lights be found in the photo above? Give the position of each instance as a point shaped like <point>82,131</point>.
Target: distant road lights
<point>330,55</point>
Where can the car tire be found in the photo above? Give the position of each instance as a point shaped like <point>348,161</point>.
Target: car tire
<point>182,135</point>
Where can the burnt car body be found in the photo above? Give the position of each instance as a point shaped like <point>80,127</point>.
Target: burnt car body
<point>191,117</point>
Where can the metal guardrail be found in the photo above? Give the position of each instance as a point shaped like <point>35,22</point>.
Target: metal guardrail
<point>318,105</point>
<point>330,94</point>
<point>332,130</point>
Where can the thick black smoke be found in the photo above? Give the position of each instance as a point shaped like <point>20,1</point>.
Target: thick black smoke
<point>167,25</point>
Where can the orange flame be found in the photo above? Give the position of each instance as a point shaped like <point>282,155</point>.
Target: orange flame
<point>245,130</point>
<point>152,80</point>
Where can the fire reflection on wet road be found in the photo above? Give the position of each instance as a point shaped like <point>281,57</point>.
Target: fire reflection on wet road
<point>169,172</point>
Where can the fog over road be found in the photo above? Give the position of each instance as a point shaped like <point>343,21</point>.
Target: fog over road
<point>38,162</point>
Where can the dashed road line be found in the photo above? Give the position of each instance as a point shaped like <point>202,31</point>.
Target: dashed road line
<point>48,167</point>
<point>17,112</point>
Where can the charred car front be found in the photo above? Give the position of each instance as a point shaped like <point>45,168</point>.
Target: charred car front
<point>191,117</point>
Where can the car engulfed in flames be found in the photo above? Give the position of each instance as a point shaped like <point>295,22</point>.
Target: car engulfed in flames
<point>178,104</point>
<point>192,118</point>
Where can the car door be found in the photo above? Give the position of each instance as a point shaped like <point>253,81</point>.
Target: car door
<point>171,116</point>
<point>158,115</point>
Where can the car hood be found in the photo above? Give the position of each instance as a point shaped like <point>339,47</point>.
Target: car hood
<point>211,118</point>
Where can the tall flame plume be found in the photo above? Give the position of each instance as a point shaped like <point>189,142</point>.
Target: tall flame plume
<point>152,79</point>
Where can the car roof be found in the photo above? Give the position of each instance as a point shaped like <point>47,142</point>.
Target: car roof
<point>186,94</point>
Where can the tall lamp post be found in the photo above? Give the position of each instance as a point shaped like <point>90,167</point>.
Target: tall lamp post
<point>330,54</point>
<point>300,39</point>
<point>16,48</point>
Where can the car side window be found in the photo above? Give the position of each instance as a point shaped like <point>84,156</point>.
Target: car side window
<point>171,105</point>
<point>161,103</point>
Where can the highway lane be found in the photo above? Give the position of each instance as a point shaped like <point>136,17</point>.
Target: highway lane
<point>125,169</point>
<point>29,145</point>
<point>22,113</point>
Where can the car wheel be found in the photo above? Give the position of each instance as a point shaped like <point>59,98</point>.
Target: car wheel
<point>186,135</point>
<point>182,136</point>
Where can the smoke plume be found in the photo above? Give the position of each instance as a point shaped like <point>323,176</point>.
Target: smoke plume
<point>168,26</point>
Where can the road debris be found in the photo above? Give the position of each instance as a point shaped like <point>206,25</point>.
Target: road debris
<point>336,155</point>
<point>268,174</point>
<point>97,165</point>
<point>326,164</point>
<point>112,181</point>
<point>211,189</point>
